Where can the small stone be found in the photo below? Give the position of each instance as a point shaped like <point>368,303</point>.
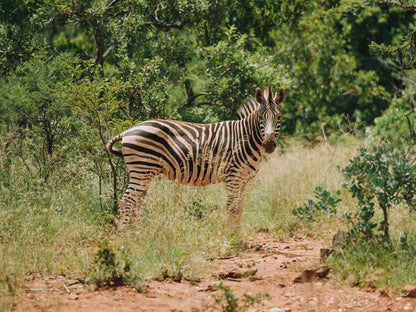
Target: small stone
<point>352,280</point>
<point>209,288</point>
<point>256,247</point>
<point>313,273</point>
<point>73,297</point>
<point>384,294</point>
<point>230,274</point>
<point>410,290</point>
<point>250,273</point>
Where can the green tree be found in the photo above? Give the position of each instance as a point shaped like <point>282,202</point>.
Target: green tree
<point>389,50</point>
<point>98,18</point>
<point>104,107</point>
<point>18,41</point>
<point>29,106</point>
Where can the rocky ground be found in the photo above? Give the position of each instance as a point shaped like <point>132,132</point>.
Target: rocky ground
<point>288,271</point>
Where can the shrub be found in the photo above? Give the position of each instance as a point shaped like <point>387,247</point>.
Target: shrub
<point>324,202</point>
<point>110,267</point>
<point>380,177</point>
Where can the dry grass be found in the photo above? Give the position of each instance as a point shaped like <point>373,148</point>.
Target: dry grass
<point>287,180</point>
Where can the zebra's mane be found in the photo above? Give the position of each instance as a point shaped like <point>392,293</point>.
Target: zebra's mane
<point>251,105</point>
<point>247,108</point>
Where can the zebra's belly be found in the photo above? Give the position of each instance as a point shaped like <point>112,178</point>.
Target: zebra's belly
<point>200,175</point>
<point>205,173</point>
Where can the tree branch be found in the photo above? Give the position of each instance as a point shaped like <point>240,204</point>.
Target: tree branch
<point>207,103</point>
<point>108,51</point>
<point>111,4</point>
<point>167,26</point>
<point>191,99</point>
<point>399,4</point>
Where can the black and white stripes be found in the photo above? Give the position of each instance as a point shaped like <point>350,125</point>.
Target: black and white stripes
<point>200,154</point>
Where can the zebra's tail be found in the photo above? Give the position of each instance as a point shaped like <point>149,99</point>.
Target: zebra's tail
<point>111,149</point>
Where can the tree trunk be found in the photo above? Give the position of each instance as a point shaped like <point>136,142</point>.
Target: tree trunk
<point>190,99</point>
<point>386,223</point>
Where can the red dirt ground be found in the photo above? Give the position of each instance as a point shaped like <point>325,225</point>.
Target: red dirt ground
<point>272,266</point>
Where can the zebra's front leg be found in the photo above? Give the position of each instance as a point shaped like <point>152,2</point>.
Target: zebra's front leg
<point>236,192</point>
<point>132,201</point>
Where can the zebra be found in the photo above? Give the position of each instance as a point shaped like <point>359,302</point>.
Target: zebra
<point>200,154</point>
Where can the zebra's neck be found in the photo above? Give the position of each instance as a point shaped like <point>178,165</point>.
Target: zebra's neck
<point>250,133</point>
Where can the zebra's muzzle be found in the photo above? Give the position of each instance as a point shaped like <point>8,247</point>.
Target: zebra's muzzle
<point>269,144</point>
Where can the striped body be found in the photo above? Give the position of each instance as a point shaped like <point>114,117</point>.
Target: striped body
<point>192,154</point>
<point>197,154</point>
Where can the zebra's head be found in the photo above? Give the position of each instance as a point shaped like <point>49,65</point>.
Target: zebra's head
<point>269,116</point>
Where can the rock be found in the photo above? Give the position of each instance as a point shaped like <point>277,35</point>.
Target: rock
<point>256,247</point>
<point>384,294</point>
<point>73,297</point>
<point>352,280</point>
<point>410,290</point>
<point>250,273</point>
<point>230,274</point>
<point>313,273</point>
<point>236,274</point>
<point>339,240</point>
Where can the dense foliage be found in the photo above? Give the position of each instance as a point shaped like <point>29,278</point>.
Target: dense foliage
<point>73,73</point>
<point>198,60</point>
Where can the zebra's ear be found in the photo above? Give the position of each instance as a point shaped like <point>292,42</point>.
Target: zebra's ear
<point>259,96</point>
<point>280,95</point>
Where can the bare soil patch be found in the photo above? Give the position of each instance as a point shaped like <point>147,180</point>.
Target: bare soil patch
<point>270,266</point>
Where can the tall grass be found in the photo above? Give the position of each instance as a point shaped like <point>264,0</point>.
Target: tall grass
<point>286,180</point>
<point>45,228</point>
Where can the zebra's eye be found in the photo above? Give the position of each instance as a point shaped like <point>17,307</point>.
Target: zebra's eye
<point>276,115</point>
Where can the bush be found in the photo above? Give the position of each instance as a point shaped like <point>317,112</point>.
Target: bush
<point>110,267</point>
<point>383,177</point>
<point>324,202</point>
<point>370,264</point>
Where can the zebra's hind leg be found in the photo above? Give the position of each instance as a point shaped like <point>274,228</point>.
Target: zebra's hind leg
<point>132,201</point>
<point>236,192</point>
